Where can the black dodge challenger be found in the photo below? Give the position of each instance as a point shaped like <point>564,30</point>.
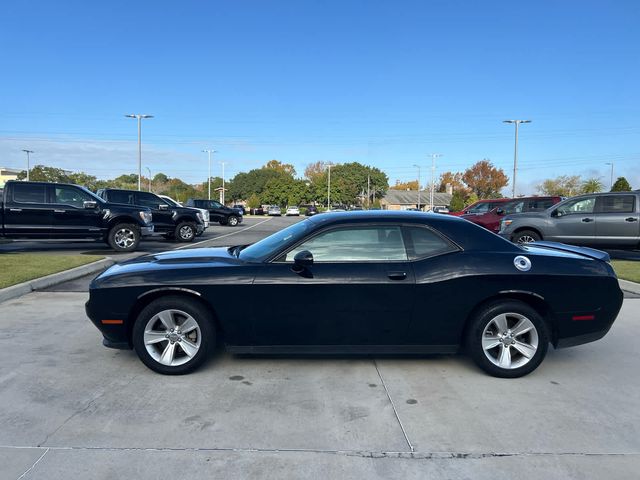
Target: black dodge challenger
<point>360,282</point>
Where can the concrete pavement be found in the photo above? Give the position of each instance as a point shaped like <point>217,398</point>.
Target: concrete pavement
<point>83,411</point>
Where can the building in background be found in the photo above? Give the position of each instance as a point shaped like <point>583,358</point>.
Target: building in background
<point>408,199</point>
<point>7,174</point>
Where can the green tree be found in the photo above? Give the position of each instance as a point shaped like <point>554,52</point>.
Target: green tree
<point>349,184</point>
<point>592,185</point>
<point>254,181</point>
<point>564,186</point>
<point>485,180</point>
<point>41,173</point>
<point>457,201</point>
<point>285,168</point>
<point>253,201</point>
<point>621,185</point>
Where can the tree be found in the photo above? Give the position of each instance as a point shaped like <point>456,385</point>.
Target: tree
<point>315,171</point>
<point>253,201</point>
<point>349,184</point>
<point>455,180</point>
<point>41,173</point>
<point>412,185</point>
<point>564,186</point>
<point>457,201</point>
<point>592,185</point>
<point>281,167</point>
<point>254,181</point>
<point>621,185</point>
<point>160,178</point>
<point>485,180</point>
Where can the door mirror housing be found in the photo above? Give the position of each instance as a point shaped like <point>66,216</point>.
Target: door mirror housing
<point>163,206</point>
<point>303,259</point>
<point>555,213</point>
<point>89,204</point>
<point>500,211</point>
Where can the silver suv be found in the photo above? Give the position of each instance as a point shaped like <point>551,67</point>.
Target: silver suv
<point>600,219</point>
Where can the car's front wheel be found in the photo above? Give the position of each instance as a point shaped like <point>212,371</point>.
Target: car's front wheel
<point>507,339</point>
<point>173,335</point>
<point>124,237</point>
<point>185,232</point>
<point>526,236</point>
<point>232,221</point>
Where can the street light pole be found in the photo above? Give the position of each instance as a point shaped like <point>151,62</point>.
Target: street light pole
<point>149,170</point>
<point>209,151</point>
<point>419,199</point>
<point>28,152</point>
<point>329,165</point>
<point>611,180</point>
<point>139,117</point>
<point>433,172</point>
<point>515,154</point>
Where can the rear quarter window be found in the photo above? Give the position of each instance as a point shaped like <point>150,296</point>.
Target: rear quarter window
<point>28,193</point>
<point>423,242</point>
<point>618,204</point>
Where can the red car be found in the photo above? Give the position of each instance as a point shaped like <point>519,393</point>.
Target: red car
<point>481,206</point>
<point>491,219</point>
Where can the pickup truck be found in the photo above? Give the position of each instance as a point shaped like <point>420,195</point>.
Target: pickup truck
<point>173,222</point>
<point>217,212</point>
<point>598,219</point>
<point>39,210</point>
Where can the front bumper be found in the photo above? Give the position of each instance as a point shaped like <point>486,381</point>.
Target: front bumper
<point>114,335</point>
<point>146,231</point>
<point>200,228</point>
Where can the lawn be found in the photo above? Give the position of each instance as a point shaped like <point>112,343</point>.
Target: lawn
<point>20,267</point>
<point>627,269</point>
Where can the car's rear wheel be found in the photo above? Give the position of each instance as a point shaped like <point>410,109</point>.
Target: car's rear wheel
<point>173,335</point>
<point>232,221</point>
<point>526,236</point>
<point>185,232</point>
<point>124,237</point>
<point>507,339</point>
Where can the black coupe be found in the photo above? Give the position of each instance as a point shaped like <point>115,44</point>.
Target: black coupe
<point>360,282</point>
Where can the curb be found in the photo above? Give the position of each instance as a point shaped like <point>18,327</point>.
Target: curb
<point>55,278</point>
<point>628,286</point>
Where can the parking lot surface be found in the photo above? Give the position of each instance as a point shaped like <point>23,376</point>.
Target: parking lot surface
<point>70,408</point>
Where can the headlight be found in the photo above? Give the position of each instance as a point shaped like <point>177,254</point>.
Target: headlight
<point>505,223</point>
<point>205,214</point>
<point>200,216</point>
<point>145,216</point>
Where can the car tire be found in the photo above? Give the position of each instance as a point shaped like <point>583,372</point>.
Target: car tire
<point>124,237</point>
<point>526,236</point>
<point>495,344</point>
<point>232,221</point>
<point>166,351</point>
<point>185,232</point>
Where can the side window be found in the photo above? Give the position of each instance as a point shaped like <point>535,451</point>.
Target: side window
<point>121,196</point>
<point>71,196</point>
<point>422,242</point>
<point>355,244</point>
<point>214,204</point>
<point>29,193</point>
<point>514,207</point>
<point>617,204</point>
<point>578,206</point>
<point>148,200</point>
<point>480,208</point>
<point>538,205</point>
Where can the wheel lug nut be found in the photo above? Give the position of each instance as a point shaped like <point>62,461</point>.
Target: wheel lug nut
<point>166,336</point>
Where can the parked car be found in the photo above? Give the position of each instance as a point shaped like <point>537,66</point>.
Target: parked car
<point>240,208</point>
<point>274,211</point>
<point>491,219</point>
<point>481,206</point>
<point>311,211</point>
<point>292,211</point>
<point>218,212</point>
<point>394,280</point>
<point>173,222</point>
<point>205,212</point>
<point>599,219</point>
<point>257,211</point>
<point>440,210</point>
<point>37,210</point>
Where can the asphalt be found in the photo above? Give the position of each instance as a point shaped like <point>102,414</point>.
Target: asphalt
<point>70,408</point>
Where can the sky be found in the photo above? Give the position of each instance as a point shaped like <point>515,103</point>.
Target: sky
<point>384,83</point>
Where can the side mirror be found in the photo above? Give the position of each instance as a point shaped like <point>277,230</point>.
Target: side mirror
<point>555,213</point>
<point>500,211</point>
<point>303,259</point>
<point>89,204</point>
<point>163,206</point>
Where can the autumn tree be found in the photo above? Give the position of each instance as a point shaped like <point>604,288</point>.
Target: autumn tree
<point>314,171</point>
<point>281,167</point>
<point>621,185</point>
<point>485,180</point>
<point>564,186</point>
<point>412,185</point>
<point>456,182</point>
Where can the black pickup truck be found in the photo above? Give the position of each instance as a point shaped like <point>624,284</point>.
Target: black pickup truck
<point>39,210</point>
<point>218,212</point>
<point>173,222</point>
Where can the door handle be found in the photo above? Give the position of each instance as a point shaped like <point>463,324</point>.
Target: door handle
<point>59,211</point>
<point>631,219</point>
<point>587,220</point>
<point>15,209</point>
<point>397,275</point>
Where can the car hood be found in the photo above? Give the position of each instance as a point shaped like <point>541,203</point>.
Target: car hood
<point>218,257</point>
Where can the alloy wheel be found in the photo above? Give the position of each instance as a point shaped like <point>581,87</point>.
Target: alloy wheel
<point>186,232</point>
<point>172,337</point>
<point>526,239</point>
<point>510,340</point>
<point>124,238</point>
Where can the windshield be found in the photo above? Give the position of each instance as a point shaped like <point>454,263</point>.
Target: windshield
<point>261,250</point>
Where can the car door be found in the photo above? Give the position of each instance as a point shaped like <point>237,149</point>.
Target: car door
<point>216,211</point>
<point>28,212</point>
<point>359,291</point>
<point>70,217</point>
<point>574,221</point>
<point>617,220</point>
<point>162,216</point>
